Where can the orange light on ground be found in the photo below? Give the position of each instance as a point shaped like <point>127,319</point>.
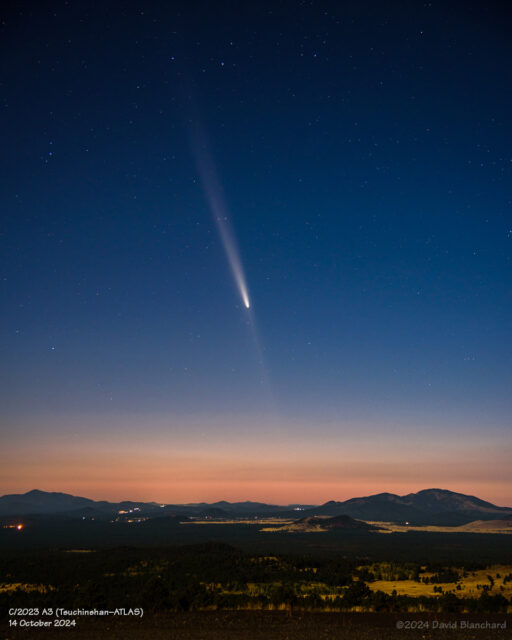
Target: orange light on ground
<point>19,527</point>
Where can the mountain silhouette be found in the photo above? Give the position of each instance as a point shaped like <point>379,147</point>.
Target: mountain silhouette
<point>430,506</point>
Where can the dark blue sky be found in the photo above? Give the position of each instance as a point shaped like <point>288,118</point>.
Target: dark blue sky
<point>364,153</point>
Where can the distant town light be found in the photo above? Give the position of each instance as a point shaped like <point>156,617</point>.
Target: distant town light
<point>19,527</point>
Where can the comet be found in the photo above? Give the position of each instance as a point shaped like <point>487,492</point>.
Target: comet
<point>215,198</point>
<point>214,195</point>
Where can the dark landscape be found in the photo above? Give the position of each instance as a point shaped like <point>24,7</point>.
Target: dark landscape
<point>211,570</point>
<point>255,320</point>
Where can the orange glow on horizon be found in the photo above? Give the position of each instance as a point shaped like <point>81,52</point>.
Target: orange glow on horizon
<point>118,485</point>
<point>171,470</point>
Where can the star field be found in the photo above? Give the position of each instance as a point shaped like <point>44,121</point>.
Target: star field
<point>363,156</point>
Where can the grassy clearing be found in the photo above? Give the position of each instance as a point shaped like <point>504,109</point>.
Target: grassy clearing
<point>470,585</point>
<point>28,588</point>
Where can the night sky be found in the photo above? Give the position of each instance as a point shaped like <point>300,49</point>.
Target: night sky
<point>352,160</point>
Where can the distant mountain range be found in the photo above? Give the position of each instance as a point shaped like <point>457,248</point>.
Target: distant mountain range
<point>37,502</point>
<point>431,506</point>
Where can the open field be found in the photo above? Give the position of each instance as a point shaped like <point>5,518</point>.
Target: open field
<point>470,583</point>
<point>479,526</point>
<point>274,525</point>
<point>237,521</point>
